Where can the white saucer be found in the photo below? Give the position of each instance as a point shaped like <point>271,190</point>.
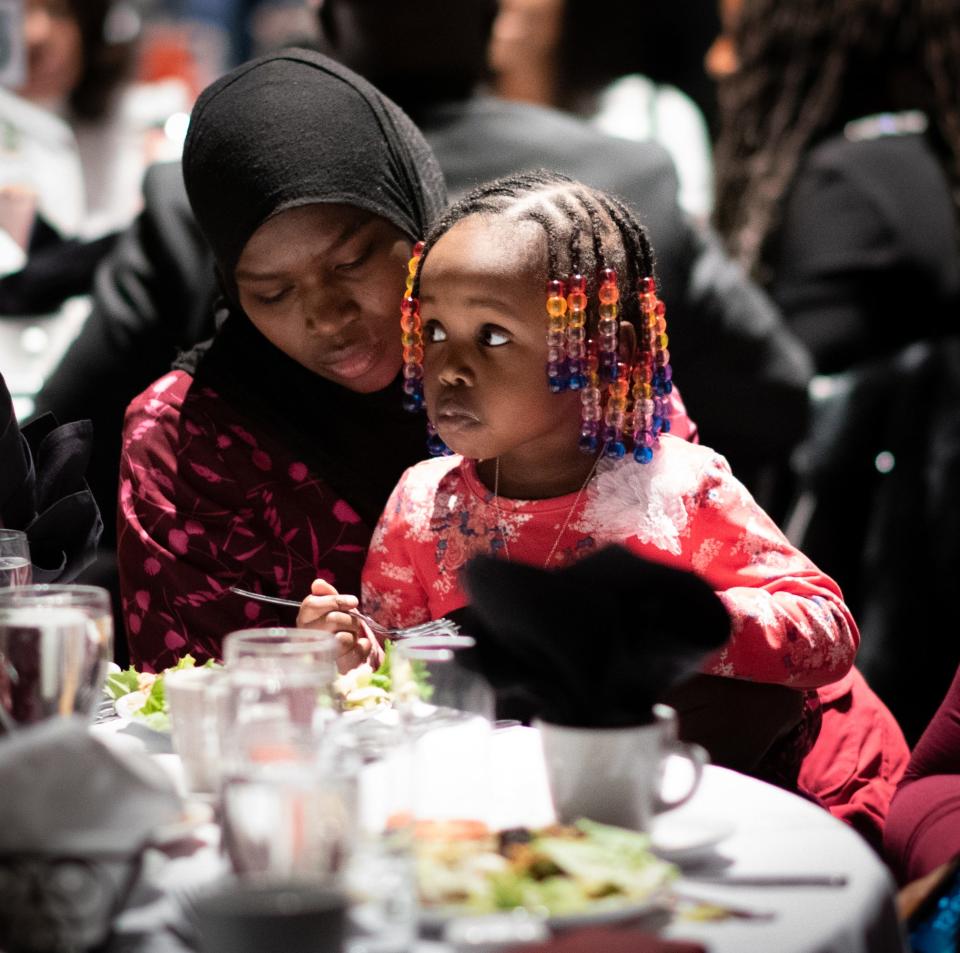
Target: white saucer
<point>687,837</point>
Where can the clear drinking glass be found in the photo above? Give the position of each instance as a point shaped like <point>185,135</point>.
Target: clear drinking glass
<point>92,601</point>
<point>51,664</point>
<point>15,568</point>
<point>380,877</point>
<point>286,819</point>
<point>193,700</point>
<point>433,683</point>
<point>286,803</point>
<point>268,714</point>
<point>283,647</point>
<point>447,710</point>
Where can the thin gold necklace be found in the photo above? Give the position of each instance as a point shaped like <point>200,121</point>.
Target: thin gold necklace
<point>566,522</point>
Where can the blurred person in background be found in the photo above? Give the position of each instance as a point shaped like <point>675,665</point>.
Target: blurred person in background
<point>838,189</point>
<point>200,39</point>
<point>632,70</point>
<point>76,138</point>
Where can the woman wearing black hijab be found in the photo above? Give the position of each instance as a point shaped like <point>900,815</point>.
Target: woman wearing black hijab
<point>263,460</point>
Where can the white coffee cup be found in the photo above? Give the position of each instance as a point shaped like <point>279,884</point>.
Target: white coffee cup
<point>615,775</point>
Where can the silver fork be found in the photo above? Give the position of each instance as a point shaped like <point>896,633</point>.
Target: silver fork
<point>433,627</point>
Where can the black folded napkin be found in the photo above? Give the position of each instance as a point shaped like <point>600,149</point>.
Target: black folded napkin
<point>43,491</point>
<point>595,644</point>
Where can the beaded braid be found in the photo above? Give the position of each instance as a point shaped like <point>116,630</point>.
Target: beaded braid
<point>411,330</point>
<point>636,392</point>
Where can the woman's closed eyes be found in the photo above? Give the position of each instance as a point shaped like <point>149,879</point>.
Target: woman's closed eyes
<point>266,299</point>
<point>275,298</point>
<point>356,262</point>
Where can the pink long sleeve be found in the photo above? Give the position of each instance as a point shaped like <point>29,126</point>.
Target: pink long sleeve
<point>686,509</point>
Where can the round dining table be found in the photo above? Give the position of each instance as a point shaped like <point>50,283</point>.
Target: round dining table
<point>783,874</point>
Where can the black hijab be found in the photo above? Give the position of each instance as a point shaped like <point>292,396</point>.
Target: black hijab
<point>289,129</point>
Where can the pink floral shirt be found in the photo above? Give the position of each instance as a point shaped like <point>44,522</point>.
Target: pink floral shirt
<point>206,504</point>
<point>685,509</point>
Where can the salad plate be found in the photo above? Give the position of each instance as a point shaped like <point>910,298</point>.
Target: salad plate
<point>597,913</point>
<point>565,875</point>
<point>140,697</point>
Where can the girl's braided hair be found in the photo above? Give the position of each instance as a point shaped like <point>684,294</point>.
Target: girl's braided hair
<point>594,245</point>
<point>586,229</point>
<point>806,67</point>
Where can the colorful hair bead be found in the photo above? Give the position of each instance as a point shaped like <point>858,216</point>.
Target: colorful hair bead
<point>615,413</point>
<point>591,410</point>
<point>608,326</point>
<point>435,445</point>
<point>411,329</point>
<point>576,341</point>
<point>618,401</point>
<point>652,377</point>
<point>558,371</point>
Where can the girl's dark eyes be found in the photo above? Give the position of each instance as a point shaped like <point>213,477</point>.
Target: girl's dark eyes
<point>433,333</point>
<point>493,336</point>
<point>489,335</point>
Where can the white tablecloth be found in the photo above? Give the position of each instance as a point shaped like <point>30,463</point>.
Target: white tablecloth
<point>762,829</point>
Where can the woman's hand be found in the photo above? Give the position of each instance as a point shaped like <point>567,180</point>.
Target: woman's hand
<point>327,610</point>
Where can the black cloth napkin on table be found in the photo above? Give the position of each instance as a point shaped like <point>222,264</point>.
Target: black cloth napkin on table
<point>594,644</point>
<point>44,493</point>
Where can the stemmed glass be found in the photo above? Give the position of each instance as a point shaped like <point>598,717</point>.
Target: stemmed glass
<point>15,568</point>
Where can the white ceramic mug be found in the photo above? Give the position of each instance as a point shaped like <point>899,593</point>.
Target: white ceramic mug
<point>615,775</point>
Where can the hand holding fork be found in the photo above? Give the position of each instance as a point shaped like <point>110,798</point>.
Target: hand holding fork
<point>433,627</point>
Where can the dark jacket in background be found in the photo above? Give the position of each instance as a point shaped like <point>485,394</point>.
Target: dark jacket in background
<point>866,258</point>
<point>866,268</point>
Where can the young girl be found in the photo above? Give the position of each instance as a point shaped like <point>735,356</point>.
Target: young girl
<point>546,470</point>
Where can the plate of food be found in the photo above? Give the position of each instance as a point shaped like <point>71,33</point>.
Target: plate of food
<point>365,689</point>
<point>571,875</point>
<point>141,697</point>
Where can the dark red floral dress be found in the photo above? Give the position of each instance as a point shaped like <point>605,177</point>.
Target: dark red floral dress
<point>205,504</point>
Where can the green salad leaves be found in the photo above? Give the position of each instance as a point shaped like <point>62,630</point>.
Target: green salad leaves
<point>154,712</point>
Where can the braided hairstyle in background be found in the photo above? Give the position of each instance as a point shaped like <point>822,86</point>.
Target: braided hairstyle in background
<point>805,68</point>
<point>597,245</point>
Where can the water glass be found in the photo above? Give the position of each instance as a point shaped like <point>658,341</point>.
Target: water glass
<point>92,601</point>
<point>448,710</point>
<point>282,647</point>
<point>51,664</point>
<point>286,819</point>
<point>15,568</point>
<point>267,714</point>
<point>433,683</point>
<point>380,877</point>
<point>195,704</point>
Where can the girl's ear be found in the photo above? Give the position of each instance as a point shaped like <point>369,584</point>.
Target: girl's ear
<point>628,342</point>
